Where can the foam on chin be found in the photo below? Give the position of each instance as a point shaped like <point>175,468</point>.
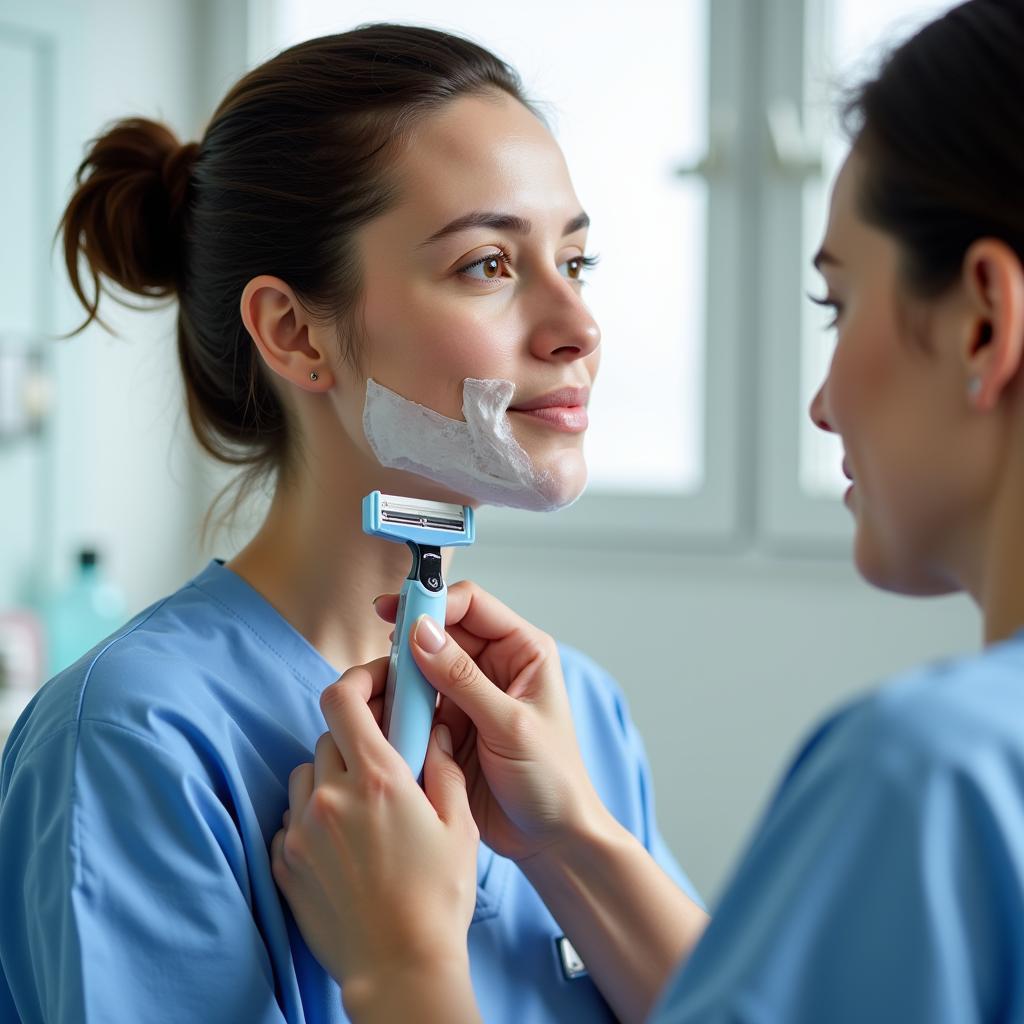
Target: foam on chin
<point>478,457</point>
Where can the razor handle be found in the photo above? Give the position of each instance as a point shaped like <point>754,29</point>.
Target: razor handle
<point>409,700</point>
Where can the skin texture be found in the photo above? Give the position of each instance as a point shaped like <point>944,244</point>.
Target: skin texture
<point>425,323</point>
<point>938,500</point>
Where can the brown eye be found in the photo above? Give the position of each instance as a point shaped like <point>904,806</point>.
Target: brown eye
<point>575,267</point>
<point>487,268</point>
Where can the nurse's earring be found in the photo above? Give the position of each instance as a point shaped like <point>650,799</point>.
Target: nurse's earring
<point>314,376</point>
<point>973,388</point>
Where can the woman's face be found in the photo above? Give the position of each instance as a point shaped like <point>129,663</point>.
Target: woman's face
<point>896,395</point>
<point>477,273</point>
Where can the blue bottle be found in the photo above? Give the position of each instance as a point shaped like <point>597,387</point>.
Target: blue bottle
<point>89,609</point>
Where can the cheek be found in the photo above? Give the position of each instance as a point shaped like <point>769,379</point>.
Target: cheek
<point>424,348</point>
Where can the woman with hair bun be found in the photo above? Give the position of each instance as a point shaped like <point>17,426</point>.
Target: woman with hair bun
<point>885,881</point>
<point>381,206</point>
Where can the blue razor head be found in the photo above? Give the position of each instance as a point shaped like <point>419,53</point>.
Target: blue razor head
<point>433,523</point>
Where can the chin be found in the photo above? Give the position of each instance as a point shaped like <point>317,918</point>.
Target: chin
<point>899,575</point>
<point>566,476</point>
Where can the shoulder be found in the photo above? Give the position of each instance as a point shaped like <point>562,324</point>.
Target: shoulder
<point>154,662</point>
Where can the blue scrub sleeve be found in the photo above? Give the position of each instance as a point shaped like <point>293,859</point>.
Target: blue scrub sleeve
<point>136,903</point>
<point>870,893</point>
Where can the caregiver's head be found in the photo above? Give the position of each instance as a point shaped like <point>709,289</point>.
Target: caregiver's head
<point>922,260</point>
<point>378,204</point>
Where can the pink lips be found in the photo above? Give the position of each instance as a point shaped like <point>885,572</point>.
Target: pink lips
<point>565,409</point>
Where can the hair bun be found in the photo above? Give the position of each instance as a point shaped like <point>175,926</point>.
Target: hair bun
<point>126,217</point>
<point>175,174</point>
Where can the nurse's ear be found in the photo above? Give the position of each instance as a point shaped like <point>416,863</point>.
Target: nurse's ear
<point>993,280</point>
<point>288,339</point>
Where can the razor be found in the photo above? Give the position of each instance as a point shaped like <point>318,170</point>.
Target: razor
<point>426,527</point>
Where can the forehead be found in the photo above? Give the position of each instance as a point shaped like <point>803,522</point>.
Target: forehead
<point>483,152</point>
<point>842,212</point>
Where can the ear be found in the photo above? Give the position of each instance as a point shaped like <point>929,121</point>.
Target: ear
<point>994,282</point>
<point>280,328</point>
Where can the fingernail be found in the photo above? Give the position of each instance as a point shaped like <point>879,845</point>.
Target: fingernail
<point>429,634</point>
<point>376,599</point>
<point>444,739</point>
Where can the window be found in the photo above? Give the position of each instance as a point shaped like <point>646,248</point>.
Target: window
<point>857,34</point>
<point>835,43</point>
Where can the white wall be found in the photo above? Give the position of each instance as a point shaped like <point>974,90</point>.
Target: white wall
<point>726,663</point>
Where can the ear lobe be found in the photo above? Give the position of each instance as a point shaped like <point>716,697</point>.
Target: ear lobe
<point>994,279</point>
<point>279,327</point>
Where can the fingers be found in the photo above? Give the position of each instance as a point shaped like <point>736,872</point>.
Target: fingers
<point>353,726</point>
<point>300,787</point>
<point>443,781</point>
<point>386,606</point>
<point>469,606</point>
<point>328,764</point>
<point>455,675</point>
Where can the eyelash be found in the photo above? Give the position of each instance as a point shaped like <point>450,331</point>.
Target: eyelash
<point>499,255</point>
<point>589,262</point>
<point>828,303</point>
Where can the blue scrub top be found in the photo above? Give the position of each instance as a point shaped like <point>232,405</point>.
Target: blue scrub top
<point>886,880</point>
<point>139,793</point>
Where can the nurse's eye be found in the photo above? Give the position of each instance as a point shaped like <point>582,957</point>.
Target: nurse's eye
<point>487,268</point>
<point>829,303</point>
<point>574,267</point>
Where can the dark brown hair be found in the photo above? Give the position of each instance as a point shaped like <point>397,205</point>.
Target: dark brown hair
<point>293,161</point>
<point>940,127</point>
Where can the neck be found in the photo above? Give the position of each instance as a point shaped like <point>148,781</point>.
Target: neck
<point>313,563</point>
<point>996,581</point>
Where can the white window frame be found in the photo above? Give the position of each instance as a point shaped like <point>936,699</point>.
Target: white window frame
<point>791,153</point>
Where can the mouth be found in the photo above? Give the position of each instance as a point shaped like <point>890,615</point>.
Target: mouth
<point>564,409</point>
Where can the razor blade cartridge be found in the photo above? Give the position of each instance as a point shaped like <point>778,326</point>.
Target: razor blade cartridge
<point>422,522</point>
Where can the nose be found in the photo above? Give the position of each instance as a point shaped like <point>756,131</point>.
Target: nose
<point>819,410</point>
<point>564,330</point>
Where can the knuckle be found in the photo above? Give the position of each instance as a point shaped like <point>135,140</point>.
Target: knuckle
<point>331,697</point>
<point>374,783</point>
<point>324,807</point>
<point>520,725</point>
<point>293,852</point>
<point>462,669</point>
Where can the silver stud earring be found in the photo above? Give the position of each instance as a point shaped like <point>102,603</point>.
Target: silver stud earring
<point>973,387</point>
<point>313,375</point>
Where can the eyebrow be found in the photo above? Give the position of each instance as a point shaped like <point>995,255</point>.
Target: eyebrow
<point>824,257</point>
<point>501,222</point>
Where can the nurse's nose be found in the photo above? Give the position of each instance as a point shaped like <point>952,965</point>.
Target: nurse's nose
<point>819,410</point>
<point>564,330</point>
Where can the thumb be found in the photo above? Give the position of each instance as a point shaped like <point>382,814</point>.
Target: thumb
<point>443,781</point>
<point>455,675</point>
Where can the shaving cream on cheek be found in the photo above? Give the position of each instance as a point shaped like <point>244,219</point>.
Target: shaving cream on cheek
<point>477,457</point>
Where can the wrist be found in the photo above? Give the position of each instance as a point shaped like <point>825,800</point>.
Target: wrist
<point>424,987</point>
<point>592,829</point>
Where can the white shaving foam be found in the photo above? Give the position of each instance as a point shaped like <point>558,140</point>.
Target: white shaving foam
<point>479,457</point>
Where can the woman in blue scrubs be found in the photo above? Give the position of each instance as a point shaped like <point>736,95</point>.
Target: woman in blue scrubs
<point>338,221</point>
<point>885,880</point>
